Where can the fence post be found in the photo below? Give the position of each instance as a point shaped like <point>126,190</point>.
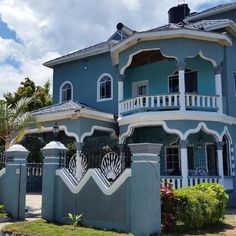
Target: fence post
<point>51,152</point>
<point>15,181</point>
<point>145,189</point>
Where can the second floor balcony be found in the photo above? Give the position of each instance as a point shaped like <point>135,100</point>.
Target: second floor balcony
<point>169,102</point>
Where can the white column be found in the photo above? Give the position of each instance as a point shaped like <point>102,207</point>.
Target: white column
<point>218,87</point>
<point>220,162</point>
<point>120,91</point>
<point>181,69</point>
<point>184,162</point>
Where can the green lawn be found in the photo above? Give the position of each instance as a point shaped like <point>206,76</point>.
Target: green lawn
<point>43,228</point>
<point>3,213</point>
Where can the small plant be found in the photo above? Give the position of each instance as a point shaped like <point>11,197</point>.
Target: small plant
<point>75,220</point>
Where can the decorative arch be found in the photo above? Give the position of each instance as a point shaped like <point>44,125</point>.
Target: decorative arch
<point>202,126</point>
<point>131,128</point>
<point>61,91</point>
<point>98,128</point>
<point>122,70</point>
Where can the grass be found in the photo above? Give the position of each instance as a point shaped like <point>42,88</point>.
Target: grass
<point>44,228</point>
<point>3,213</point>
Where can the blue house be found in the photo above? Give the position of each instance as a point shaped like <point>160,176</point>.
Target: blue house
<point>174,85</point>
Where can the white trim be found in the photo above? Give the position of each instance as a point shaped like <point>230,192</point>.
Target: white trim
<point>2,172</point>
<point>146,154</point>
<point>176,115</point>
<point>16,164</point>
<point>202,126</point>
<point>100,128</point>
<point>74,57</point>
<point>91,173</point>
<point>223,40</point>
<point>98,88</point>
<point>47,164</point>
<point>60,90</point>
<point>134,125</point>
<point>143,161</point>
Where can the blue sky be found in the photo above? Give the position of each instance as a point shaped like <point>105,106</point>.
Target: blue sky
<point>47,29</point>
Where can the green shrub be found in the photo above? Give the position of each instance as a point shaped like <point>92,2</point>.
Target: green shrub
<point>201,205</point>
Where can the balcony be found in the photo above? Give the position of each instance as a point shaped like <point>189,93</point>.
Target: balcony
<point>168,102</point>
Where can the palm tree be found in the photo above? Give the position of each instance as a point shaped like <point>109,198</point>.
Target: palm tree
<point>14,121</point>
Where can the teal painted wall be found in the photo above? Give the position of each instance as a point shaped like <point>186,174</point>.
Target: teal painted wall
<point>99,210</point>
<point>2,179</point>
<point>157,74</point>
<point>84,81</point>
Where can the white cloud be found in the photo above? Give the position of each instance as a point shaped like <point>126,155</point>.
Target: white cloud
<point>48,29</point>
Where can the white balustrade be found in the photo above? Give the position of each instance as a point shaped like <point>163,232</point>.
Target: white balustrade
<point>169,101</point>
<point>176,180</point>
<point>193,180</point>
<point>196,101</point>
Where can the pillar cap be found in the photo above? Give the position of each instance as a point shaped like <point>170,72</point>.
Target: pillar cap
<point>145,148</point>
<point>17,148</point>
<point>54,145</point>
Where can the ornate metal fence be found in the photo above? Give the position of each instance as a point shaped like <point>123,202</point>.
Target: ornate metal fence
<point>110,162</point>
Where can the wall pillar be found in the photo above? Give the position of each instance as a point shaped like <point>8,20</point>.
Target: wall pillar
<point>220,162</point>
<point>15,181</point>
<point>181,69</point>
<point>218,87</point>
<point>184,162</point>
<point>145,189</point>
<point>52,152</point>
<point>120,91</point>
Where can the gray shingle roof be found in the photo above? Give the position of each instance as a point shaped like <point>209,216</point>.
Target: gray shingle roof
<point>199,25</point>
<point>212,10</point>
<point>61,107</point>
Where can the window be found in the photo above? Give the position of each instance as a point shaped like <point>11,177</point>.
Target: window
<point>190,151</point>
<point>140,88</point>
<point>66,92</point>
<point>104,88</point>
<point>172,160</point>
<point>191,83</point>
<point>212,159</point>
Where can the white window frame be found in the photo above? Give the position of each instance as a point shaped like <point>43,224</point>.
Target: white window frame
<point>60,91</point>
<point>99,99</point>
<point>135,86</point>
<point>179,158</point>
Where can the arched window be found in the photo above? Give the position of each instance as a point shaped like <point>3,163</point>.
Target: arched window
<point>226,157</point>
<point>105,88</point>
<point>66,92</point>
<point>191,82</point>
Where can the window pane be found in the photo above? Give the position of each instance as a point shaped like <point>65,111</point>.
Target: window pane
<point>174,84</point>
<point>191,85</point>
<point>105,87</point>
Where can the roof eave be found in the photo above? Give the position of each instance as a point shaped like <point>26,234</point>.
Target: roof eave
<point>224,40</point>
<point>62,60</point>
<point>210,13</point>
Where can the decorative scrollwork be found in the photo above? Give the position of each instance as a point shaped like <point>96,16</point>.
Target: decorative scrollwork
<point>78,165</point>
<point>111,165</point>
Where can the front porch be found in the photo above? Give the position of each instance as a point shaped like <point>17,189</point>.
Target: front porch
<point>201,158</point>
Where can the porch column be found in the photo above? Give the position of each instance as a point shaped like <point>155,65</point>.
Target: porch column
<point>220,162</point>
<point>218,87</point>
<point>184,162</point>
<point>79,146</point>
<point>181,69</point>
<point>120,91</point>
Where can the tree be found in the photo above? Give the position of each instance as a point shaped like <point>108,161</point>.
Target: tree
<point>40,96</point>
<point>14,121</point>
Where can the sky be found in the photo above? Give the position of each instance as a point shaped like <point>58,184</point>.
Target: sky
<point>33,31</point>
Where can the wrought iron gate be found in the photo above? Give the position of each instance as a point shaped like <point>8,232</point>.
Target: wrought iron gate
<point>34,178</point>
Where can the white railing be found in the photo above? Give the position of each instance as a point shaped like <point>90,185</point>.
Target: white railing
<point>176,180</point>
<point>169,101</point>
<point>196,101</point>
<point>193,180</point>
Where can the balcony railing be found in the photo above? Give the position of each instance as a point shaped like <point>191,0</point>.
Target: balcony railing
<point>168,102</point>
